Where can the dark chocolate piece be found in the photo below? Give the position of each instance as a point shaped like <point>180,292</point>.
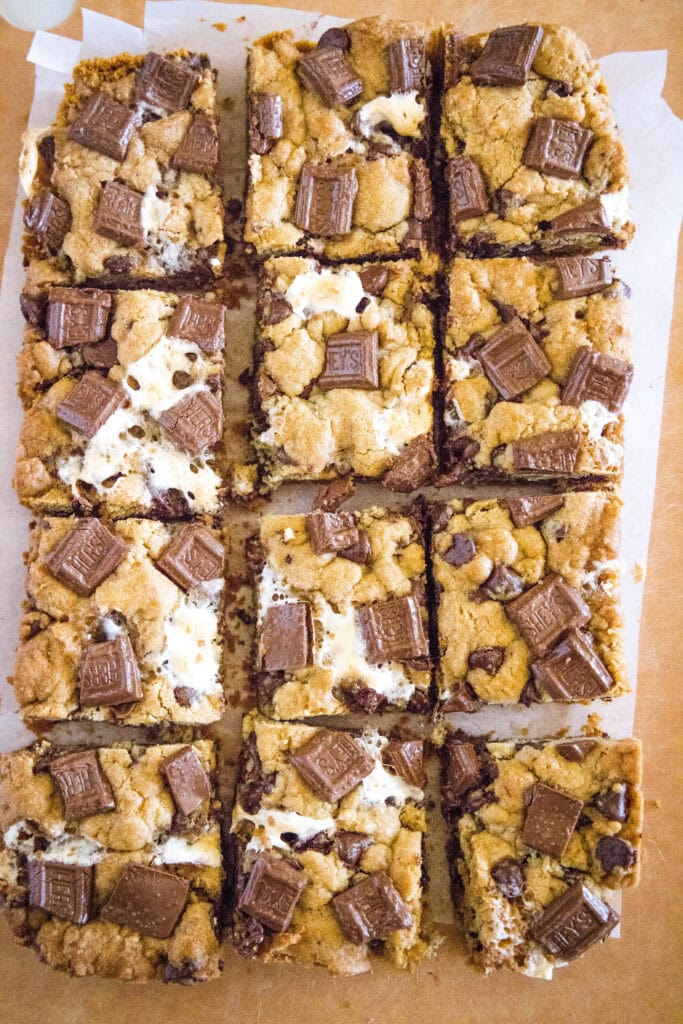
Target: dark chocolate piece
<point>272,892</point>
<point>324,199</point>
<point>597,377</point>
<point>406,64</point>
<point>393,630</point>
<point>502,584</point>
<point>94,399</point>
<point>462,550</point>
<point>467,196</point>
<point>33,308</point>
<point>547,612</point>
<point>573,922</point>
<point>195,422</point>
<point>613,852</point>
<point>489,659</point>
<point>165,82</point>
<point>198,152</point>
<point>589,218</point>
<point>338,38</point>
<point>199,321</point>
<point>327,72</point>
<point>187,779</point>
<point>109,674</point>
<point>374,278</point>
<point>371,910</point>
<point>406,758</point>
<point>83,784</point>
<point>550,820</point>
<point>513,361</point>
<point>48,218</point>
<point>507,56</point>
<point>350,361</point>
<point>575,751</point>
<point>613,804</point>
<point>332,764</point>
<point>572,670</point>
<point>413,467</point>
<point>77,316</point>
<point>331,532</point>
<point>253,783</point>
<point>351,846</point>
<point>581,275</point>
<point>192,557</point>
<point>554,452</point>
<point>509,877</point>
<point>119,214</point>
<point>361,699</point>
<point>265,122</point>
<point>147,900</point>
<point>86,556</point>
<point>287,637</point>
<point>63,890</point>
<point>526,511</point>
<point>104,125</point>
<point>557,147</point>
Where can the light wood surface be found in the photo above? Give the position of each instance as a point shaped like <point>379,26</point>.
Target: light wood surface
<point>636,979</point>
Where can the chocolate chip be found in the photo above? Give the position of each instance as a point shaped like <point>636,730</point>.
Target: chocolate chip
<point>572,670</point>
<point>581,275</point>
<point>575,750</point>
<point>200,322</point>
<point>557,147</point>
<point>86,556</point>
<point>526,511</point>
<point>165,82</point>
<point>553,452</point>
<point>119,214</point>
<point>550,820</point>
<point>253,782</point>
<point>589,217</point>
<point>90,404</point>
<point>487,658</point>
<point>547,612</point>
<point>148,900</point>
<point>102,355</point>
<point>187,779</point>
<point>48,218</point>
<point>613,804</point>
<point>374,278</point>
<point>509,877</point>
<point>84,787</point>
<point>185,696</point>
<point>361,699</point>
<point>334,494</point>
<point>463,769</point>
<point>502,584</point>
<point>46,148</point>
<point>287,637</point>
<point>351,846</point>
<point>462,550</point>
<point>467,196</point>
<point>406,758</point>
<point>439,516</point>
<point>558,88</point>
<point>393,630</point>
<point>613,853</point>
<point>573,922</point>
<point>325,198</point>
<point>413,467</point>
<point>77,316</point>
<point>513,361</point>
<point>328,73</point>
<point>360,552</point>
<point>63,890</point>
<point>33,308</point>
<point>338,38</point>
<point>332,764</point>
<point>371,910</point>
<point>331,532</point>
<point>277,310</point>
<point>104,125</point>
<point>109,674</point>
<point>170,503</point>
<point>195,422</point>
<point>193,556</point>
<point>597,377</point>
<point>265,122</point>
<point>464,699</point>
<point>351,361</point>
<point>507,56</point>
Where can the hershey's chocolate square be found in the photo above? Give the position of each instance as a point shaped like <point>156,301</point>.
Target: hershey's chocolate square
<point>467,196</point>
<point>548,611</point>
<point>513,361</point>
<point>265,122</point>
<point>199,321</point>
<point>165,82</point>
<point>119,214</point>
<point>48,218</point>
<point>589,217</point>
<point>195,422</point>
<point>86,556</point>
<point>406,758</point>
<point>332,764</point>
<point>554,452</point>
<point>84,786</point>
<point>331,531</point>
<point>597,377</point>
<point>526,511</point>
<point>324,199</point>
<point>350,361</point>
<point>573,922</point>
<point>507,56</point>
<point>193,556</point>
<point>77,316</point>
<point>187,779</point>
<point>63,890</point>
<point>272,891</point>
<point>94,399</point>
<point>109,674</point>
<point>557,147</point>
<point>550,820</point>
<point>572,670</point>
<point>581,275</point>
<point>393,630</point>
<point>406,65</point>
<point>148,900</point>
<point>287,637</point>
<point>198,152</point>
<point>328,73</point>
<point>371,910</point>
<point>104,125</point>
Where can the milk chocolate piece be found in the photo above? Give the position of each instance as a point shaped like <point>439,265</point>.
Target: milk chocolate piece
<point>193,556</point>
<point>423,207</point>
<point>507,56</point>
<point>84,787</point>
<point>332,764</point>
<point>119,214</point>
<point>86,556</point>
<point>104,125</point>
<point>589,217</point>
<point>371,910</point>
<point>405,757</point>
<point>406,65</point>
<point>581,275</point>
<point>575,751</point>
<point>597,377</point>
<point>195,422</point>
<point>374,278</point>
<point>526,511</point>
<point>393,630</point>
<point>554,452</point>
<point>513,361</point>
<point>33,308</point>
<point>48,218</point>
<point>462,550</point>
<point>199,321</point>
<point>547,612</point>
<point>462,699</point>
<point>613,804</point>
<point>198,152</point>
<point>147,900</point>
<point>350,361</point>
<point>77,316</point>
<point>287,637</point>
<point>336,37</point>
<point>187,780</point>
<point>351,846</point>
<point>489,659</point>
<point>573,922</point>
<point>265,122</point>
<point>413,467</point>
<point>272,892</point>
<point>109,674</point>
<point>101,355</point>
<point>328,73</point>
<point>63,890</point>
<point>94,399</point>
<point>359,552</point>
<point>334,494</point>
<point>454,57</point>
<point>572,670</point>
<point>467,196</point>
<point>164,82</point>
<point>550,820</point>
<point>324,199</point>
<point>557,147</point>
<point>502,584</point>
<point>331,531</point>
<point>613,852</point>
<point>509,877</point>
<point>463,768</point>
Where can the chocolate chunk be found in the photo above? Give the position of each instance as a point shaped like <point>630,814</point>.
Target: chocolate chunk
<point>320,842</point>
<point>405,757</point>
<point>33,308</point>
<point>371,910</point>
<point>350,361</point>
<point>77,316</point>
<point>336,37</point>
<point>265,122</point>
<point>119,214</point>
<point>454,57</point>
<point>195,422</point>
<point>422,191</point>
<point>101,355</point>
<point>374,278</point>
<point>328,73</point>
<point>193,556</point>
<point>278,309</point>
<point>287,637</point>
<point>272,892</point>
<point>46,148</point>
<point>253,782</point>
<point>574,921</point>
<point>148,900</point>
<point>361,699</point>
<point>331,531</point>
<point>84,786</point>
<point>332,764</point>
<point>613,852</point>
<point>589,217</point>
<point>185,696</point>
<point>109,674</point>
<point>502,584</point>
<point>104,125</point>
<point>554,452</point>
<point>575,751</point>
<point>187,779</point>
<point>324,199</point>
<point>334,494</point>
<point>581,275</point>
<point>613,804</point>
<point>393,630</point>
<point>406,65</point>
<point>509,877</point>
<point>86,556</point>
<point>547,612</point>
<point>550,820</point>
<point>513,361</point>
<point>463,769</point>
<point>94,399</point>
<point>526,511</point>
<point>467,196</point>
<point>199,321</point>
<point>64,890</point>
<point>413,467</point>
<point>507,56</point>
<point>572,670</point>
<point>463,699</point>
<point>487,658</point>
<point>462,550</point>
<point>198,152</point>
<point>360,552</point>
<point>351,846</point>
<point>597,377</point>
<point>164,82</point>
<point>48,218</point>
<point>557,147</point>
<point>559,88</point>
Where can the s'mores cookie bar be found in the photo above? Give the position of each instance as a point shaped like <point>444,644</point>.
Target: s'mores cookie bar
<point>327,838</point>
<point>542,835</point>
<point>122,623</point>
<point>528,600</point>
<point>339,142</point>
<point>537,368</point>
<point>124,187</point>
<point>532,157</point>
<point>124,403</point>
<point>110,859</point>
<point>341,613</point>
<point>344,371</point>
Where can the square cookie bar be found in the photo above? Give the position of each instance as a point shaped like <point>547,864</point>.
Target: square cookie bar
<point>123,622</point>
<point>537,368</point>
<point>124,187</point>
<point>124,403</point>
<point>341,613</point>
<point>528,600</point>
<point>339,141</point>
<point>327,838</point>
<point>344,371</point>
<point>532,157</point>
<point>110,859</point>
<point>541,834</point>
